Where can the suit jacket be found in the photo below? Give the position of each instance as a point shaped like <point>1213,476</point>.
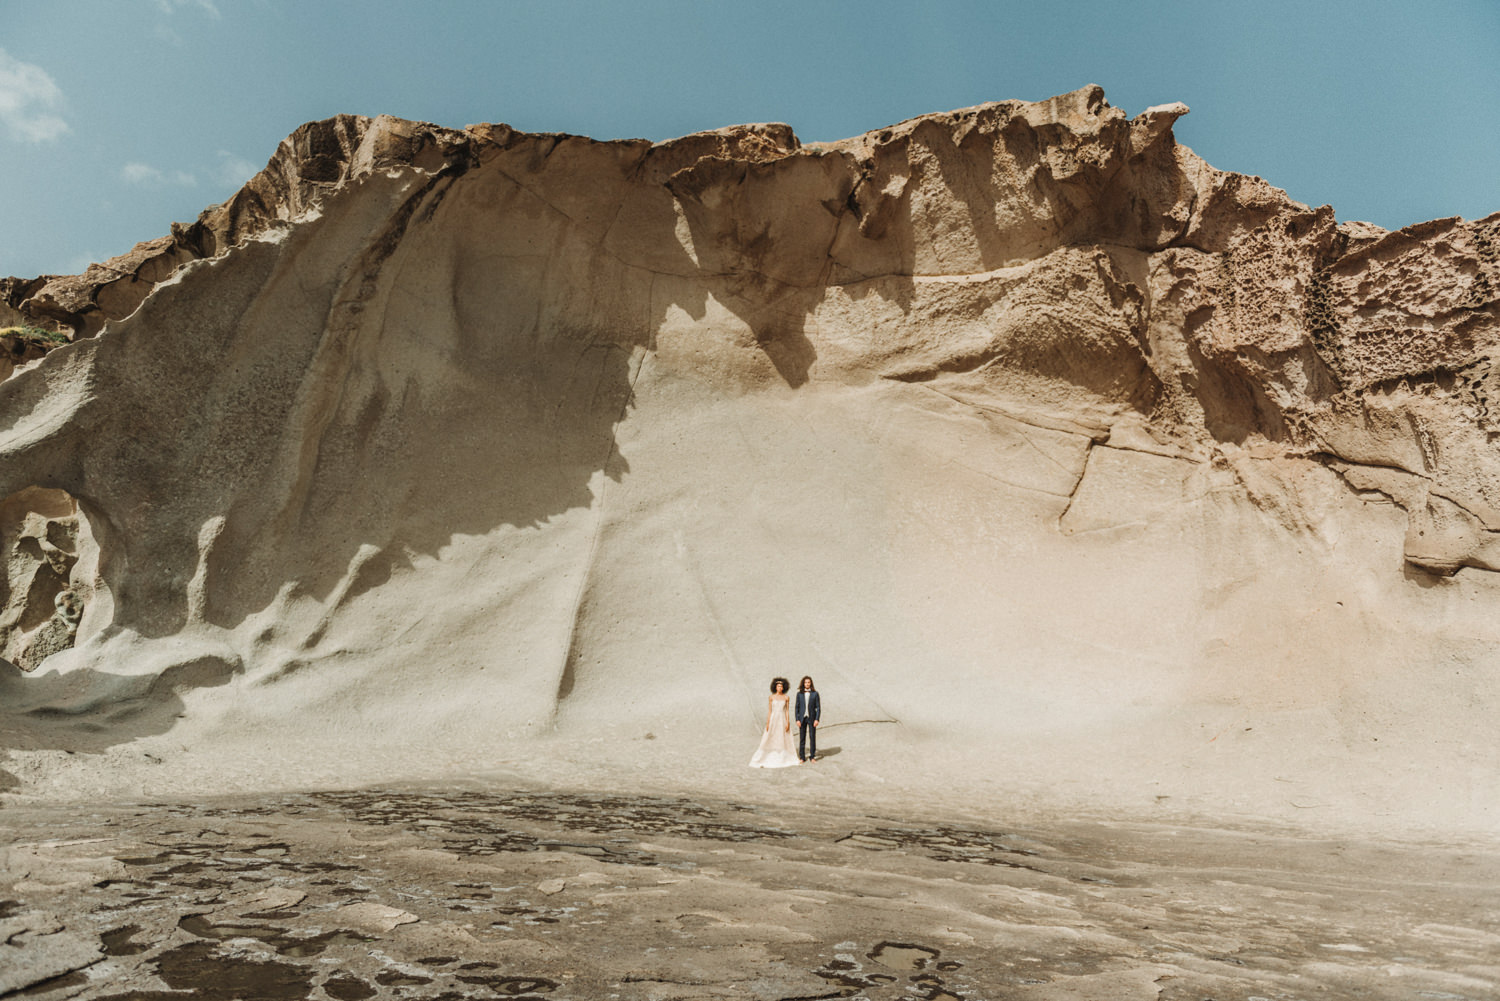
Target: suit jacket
<point>809,706</point>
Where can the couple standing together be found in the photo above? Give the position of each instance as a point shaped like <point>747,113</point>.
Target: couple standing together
<point>775,750</point>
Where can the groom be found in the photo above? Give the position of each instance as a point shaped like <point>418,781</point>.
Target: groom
<point>809,709</point>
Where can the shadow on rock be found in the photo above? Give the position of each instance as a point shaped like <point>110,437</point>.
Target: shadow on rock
<point>88,711</point>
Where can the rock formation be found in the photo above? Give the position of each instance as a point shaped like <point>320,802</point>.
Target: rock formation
<point>45,582</point>
<point>480,430</point>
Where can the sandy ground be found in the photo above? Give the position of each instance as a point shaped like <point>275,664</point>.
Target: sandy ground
<point>670,870</point>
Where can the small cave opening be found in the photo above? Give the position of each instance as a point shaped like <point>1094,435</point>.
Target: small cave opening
<point>50,592</point>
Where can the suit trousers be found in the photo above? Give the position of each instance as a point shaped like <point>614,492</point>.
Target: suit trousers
<point>807,737</point>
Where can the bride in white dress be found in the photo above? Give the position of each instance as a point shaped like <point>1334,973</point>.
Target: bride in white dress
<point>776,749</point>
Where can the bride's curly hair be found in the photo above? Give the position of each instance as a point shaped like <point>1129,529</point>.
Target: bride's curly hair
<point>785,686</point>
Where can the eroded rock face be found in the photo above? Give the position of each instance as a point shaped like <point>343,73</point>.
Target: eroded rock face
<point>1016,385</point>
<point>1212,306</point>
<point>45,587</point>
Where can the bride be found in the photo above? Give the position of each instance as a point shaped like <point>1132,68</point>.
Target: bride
<point>776,749</point>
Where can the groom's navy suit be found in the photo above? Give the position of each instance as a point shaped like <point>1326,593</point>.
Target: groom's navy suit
<point>809,709</point>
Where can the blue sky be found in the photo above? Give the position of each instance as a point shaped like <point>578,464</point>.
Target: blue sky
<point>118,117</point>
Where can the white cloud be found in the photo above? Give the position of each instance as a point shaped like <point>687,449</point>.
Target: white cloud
<point>233,171</point>
<point>145,174</point>
<point>29,100</point>
<point>80,262</point>
<point>172,6</point>
<point>163,28</point>
<point>169,36</point>
<point>228,171</point>
<point>140,173</point>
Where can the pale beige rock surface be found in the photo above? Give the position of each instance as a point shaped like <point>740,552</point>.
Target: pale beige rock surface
<point>1075,470</point>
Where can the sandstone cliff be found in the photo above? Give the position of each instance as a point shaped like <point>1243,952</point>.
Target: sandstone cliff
<point>485,431</point>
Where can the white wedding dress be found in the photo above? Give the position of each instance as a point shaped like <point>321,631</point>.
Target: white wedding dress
<point>776,750</point>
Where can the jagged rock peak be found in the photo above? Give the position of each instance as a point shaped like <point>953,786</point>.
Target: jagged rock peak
<point>322,156</point>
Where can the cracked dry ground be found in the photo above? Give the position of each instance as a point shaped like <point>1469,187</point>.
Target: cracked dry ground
<point>457,893</point>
